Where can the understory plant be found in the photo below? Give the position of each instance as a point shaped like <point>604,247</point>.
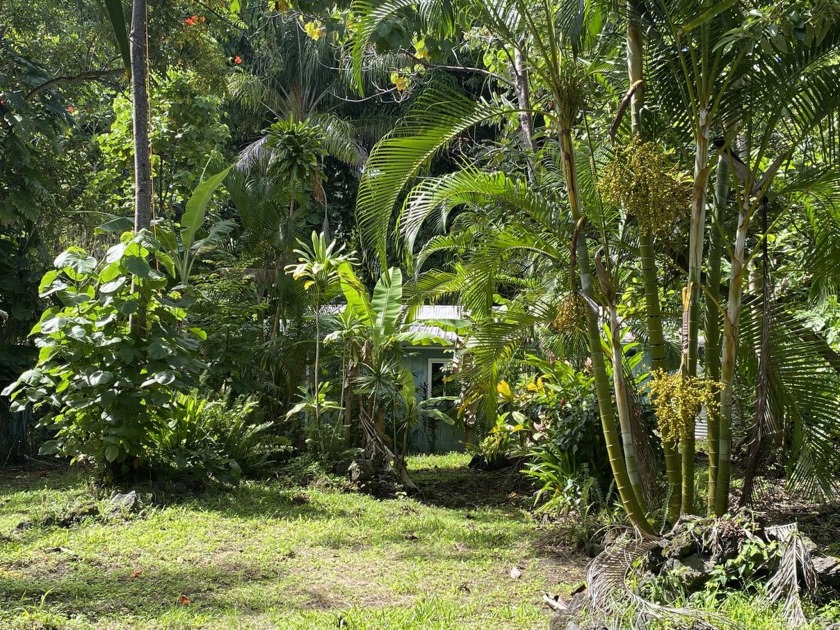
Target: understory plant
<point>212,437</point>
<point>114,352</point>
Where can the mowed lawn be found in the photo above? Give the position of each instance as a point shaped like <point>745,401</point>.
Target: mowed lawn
<point>275,555</point>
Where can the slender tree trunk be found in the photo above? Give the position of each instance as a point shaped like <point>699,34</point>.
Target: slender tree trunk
<point>631,503</point>
<point>691,304</point>
<point>140,117</point>
<point>712,322</point>
<point>761,402</point>
<point>622,402</point>
<point>318,367</point>
<point>653,309</point>
<point>523,101</point>
<point>730,349</point>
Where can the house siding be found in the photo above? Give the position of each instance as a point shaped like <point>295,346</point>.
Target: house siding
<point>447,438</point>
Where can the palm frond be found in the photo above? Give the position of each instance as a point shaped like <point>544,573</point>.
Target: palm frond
<point>437,118</point>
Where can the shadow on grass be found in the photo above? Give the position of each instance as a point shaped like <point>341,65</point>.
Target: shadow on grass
<point>95,592</point>
<point>461,487</point>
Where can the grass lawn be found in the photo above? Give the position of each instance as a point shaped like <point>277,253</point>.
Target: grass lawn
<point>275,555</point>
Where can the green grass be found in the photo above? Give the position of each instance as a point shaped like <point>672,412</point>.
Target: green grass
<point>271,555</point>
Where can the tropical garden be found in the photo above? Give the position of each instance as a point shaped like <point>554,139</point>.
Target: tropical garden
<point>420,314</point>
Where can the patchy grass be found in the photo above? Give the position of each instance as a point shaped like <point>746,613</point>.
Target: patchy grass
<point>271,555</point>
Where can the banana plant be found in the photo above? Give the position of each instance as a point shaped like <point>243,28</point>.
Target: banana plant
<point>182,244</point>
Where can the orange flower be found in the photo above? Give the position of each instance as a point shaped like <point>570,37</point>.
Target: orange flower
<point>71,109</point>
<point>237,60</point>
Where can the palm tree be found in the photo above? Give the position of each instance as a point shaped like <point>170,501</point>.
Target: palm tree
<point>701,85</point>
<point>318,265</point>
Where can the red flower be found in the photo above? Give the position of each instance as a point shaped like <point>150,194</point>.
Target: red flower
<point>237,60</point>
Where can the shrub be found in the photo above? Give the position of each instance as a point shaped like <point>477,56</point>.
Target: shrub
<point>210,437</point>
<point>113,354</point>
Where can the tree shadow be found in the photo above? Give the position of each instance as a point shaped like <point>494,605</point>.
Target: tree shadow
<point>460,487</point>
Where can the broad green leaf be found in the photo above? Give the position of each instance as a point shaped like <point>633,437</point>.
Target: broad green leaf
<point>115,226</point>
<point>112,451</point>
<point>356,294</point>
<point>137,266</point>
<point>193,218</point>
<point>75,262</point>
<point>387,300</point>
<point>113,285</point>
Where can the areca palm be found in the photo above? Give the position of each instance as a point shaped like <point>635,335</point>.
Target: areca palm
<point>701,86</point>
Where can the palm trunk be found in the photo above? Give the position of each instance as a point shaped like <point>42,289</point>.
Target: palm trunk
<point>622,402</point>
<point>317,368</point>
<point>140,117</point>
<point>523,101</point>
<point>691,305</point>
<point>712,322</point>
<point>730,349</point>
<point>628,496</point>
<point>653,309</point>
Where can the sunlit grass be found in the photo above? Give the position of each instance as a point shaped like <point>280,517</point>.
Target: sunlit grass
<point>267,555</point>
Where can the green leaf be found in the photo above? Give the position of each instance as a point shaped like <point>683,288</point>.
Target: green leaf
<point>193,218</point>
<point>198,332</point>
<point>157,350</point>
<point>166,260</point>
<point>100,377</point>
<point>356,294</point>
<point>717,9</point>
<point>137,266</point>
<point>77,260</point>
<point>164,378</point>
<point>113,286</point>
<point>387,300</point>
<point>116,15</point>
<point>112,451</point>
<point>115,226</point>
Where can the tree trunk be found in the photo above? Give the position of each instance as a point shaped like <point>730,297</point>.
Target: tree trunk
<point>523,101</point>
<point>653,309</point>
<point>691,304</point>
<point>602,387</point>
<point>140,117</point>
<point>712,321</point>
<point>730,349</point>
<point>622,402</point>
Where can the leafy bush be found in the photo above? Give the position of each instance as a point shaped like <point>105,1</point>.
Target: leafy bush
<point>552,419</point>
<point>210,437</point>
<point>113,354</point>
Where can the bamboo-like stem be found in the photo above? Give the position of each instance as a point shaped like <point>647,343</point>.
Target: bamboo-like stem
<point>628,496</point>
<point>622,402</point>
<point>691,303</point>
<point>653,309</point>
<point>712,357</point>
<point>730,349</point>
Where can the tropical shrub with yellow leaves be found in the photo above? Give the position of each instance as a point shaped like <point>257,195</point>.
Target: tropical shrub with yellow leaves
<point>550,418</point>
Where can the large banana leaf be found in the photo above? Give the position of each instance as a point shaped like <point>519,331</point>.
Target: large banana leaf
<point>356,295</point>
<point>387,301</point>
